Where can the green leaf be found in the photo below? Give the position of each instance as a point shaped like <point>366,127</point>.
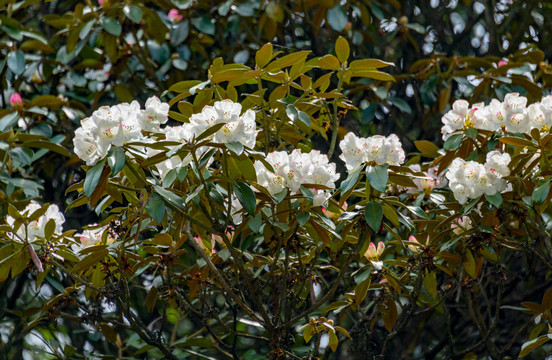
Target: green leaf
<point>255,222</point>
<point>337,19</point>
<point>235,147</point>
<point>342,49</point>
<point>378,176</point>
<point>303,217</point>
<point>41,144</point>
<point>333,341</point>
<point>373,213</point>
<point>351,180</point>
<point>263,56</point>
<point>134,13</point>
<point>112,26</point>
<point>308,332</point>
<point>401,104</point>
<point>328,62</point>
<point>204,24</point>
<point>292,113</point>
<point>430,283</point>
<point>304,118</point>
<point>49,229</point>
<point>416,210</point>
<point>516,141</point>
<point>99,252</point>
<point>180,33</point>
<point>246,196</point>
<point>453,142</point>
<point>155,208</point>
<point>93,177</point>
<point>365,64</point>
<point>116,160</point>
<point>16,62</point>
<point>529,346</point>
<point>171,197</point>
<point>85,30</point>
<point>471,133</point>
<point>427,148</point>
<point>540,194</point>
<point>495,199</point>
<point>210,131</point>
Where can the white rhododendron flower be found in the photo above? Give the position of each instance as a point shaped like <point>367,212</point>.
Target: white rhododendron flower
<point>155,114</point>
<point>116,125</point>
<point>511,115</point>
<point>462,224</point>
<point>379,149</point>
<point>36,228</point>
<point>237,128</point>
<point>296,169</point>
<point>469,179</point>
<point>458,118</point>
<point>93,236</point>
<point>85,143</point>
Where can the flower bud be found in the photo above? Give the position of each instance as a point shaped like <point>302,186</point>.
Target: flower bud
<point>175,16</point>
<point>16,101</point>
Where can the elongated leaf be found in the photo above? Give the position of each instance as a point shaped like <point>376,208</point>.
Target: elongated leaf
<point>246,197</point>
<point>516,141</point>
<point>91,259</point>
<point>366,64</point>
<point>529,346</point>
<point>342,49</point>
<point>112,26</point>
<point>378,176</point>
<point>453,142</point>
<point>116,160</point>
<point>47,145</point>
<point>93,177</point>
<point>351,180</point>
<point>373,213</point>
<point>540,194</point>
<point>263,56</point>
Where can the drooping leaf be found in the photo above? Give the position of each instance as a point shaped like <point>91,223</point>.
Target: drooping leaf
<point>373,213</point>
<point>93,177</point>
<point>246,197</point>
<point>378,176</point>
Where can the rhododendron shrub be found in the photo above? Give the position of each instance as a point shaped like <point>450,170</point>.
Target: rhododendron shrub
<point>225,231</point>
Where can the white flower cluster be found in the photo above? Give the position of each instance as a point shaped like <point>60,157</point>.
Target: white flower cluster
<point>236,128</point>
<point>379,149</point>
<point>116,125</point>
<point>296,169</point>
<point>93,236</point>
<point>469,179</point>
<point>513,115</point>
<point>35,229</point>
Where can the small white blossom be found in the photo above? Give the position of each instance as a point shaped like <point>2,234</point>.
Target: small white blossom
<point>155,114</point>
<point>35,229</point>
<point>378,149</point>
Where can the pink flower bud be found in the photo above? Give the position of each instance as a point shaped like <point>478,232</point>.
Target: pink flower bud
<point>175,16</point>
<point>373,252</point>
<point>502,63</point>
<point>16,101</point>
<point>100,2</point>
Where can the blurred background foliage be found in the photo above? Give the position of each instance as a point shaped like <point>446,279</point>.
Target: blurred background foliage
<point>66,58</point>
